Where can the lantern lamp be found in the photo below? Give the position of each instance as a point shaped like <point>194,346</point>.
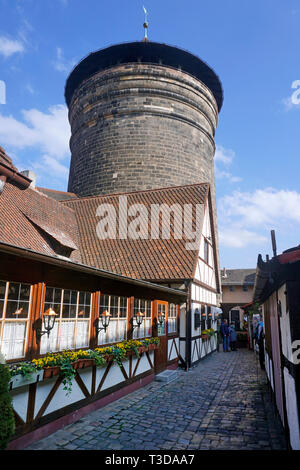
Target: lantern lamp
<point>105,317</point>
<point>48,323</point>
<point>161,317</point>
<point>138,317</point>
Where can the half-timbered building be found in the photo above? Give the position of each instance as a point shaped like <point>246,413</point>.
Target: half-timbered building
<point>277,289</point>
<point>52,257</point>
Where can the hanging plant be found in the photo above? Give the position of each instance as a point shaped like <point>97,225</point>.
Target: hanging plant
<point>68,372</point>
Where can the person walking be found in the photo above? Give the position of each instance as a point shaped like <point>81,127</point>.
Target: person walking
<point>232,337</point>
<point>224,330</point>
<point>261,345</point>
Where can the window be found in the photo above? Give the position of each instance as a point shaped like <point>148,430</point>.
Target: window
<point>14,316</point>
<point>143,306</point>
<point>245,288</point>
<point>206,248</point>
<point>172,318</point>
<point>72,324</point>
<point>231,288</point>
<point>117,307</point>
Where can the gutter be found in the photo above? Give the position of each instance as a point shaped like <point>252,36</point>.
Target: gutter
<point>14,175</point>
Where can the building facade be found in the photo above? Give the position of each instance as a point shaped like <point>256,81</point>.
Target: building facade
<point>277,288</point>
<point>143,118</point>
<point>237,292</point>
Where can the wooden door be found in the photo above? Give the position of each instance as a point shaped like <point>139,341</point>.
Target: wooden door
<point>161,355</point>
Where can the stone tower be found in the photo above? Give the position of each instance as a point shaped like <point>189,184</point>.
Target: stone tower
<point>143,115</point>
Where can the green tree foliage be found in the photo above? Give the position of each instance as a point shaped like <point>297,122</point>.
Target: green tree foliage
<point>7,420</point>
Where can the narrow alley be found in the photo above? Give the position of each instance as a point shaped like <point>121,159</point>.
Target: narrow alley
<point>222,403</point>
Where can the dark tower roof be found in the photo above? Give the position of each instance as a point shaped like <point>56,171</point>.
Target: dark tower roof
<point>144,52</point>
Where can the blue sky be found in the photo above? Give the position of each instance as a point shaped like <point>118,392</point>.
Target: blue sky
<point>253,46</point>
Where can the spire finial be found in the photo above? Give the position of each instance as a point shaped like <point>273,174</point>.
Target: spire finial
<point>145,25</point>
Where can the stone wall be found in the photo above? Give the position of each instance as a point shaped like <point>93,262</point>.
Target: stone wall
<point>141,126</point>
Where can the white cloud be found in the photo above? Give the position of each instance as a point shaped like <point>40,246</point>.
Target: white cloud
<point>236,237</point>
<point>263,206</point>
<point>245,218</point>
<point>9,47</point>
<point>293,101</point>
<point>48,165</point>
<point>50,131</point>
<point>61,63</point>
<point>224,157</point>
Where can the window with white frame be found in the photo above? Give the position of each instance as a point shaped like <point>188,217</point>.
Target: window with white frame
<point>117,307</point>
<point>72,324</point>
<point>14,317</point>
<point>172,318</point>
<point>145,307</point>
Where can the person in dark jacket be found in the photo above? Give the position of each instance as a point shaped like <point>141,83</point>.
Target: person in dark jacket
<point>224,330</point>
<point>232,337</point>
<point>261,344</point>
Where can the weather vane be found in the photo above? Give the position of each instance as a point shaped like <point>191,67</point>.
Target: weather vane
<point>145,24</point>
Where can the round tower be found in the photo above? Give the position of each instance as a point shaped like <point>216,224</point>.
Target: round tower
<point>143,115</point>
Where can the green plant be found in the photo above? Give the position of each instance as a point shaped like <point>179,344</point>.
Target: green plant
<point>7,421</point>
<point>118,355</point>
<point>26,369</point>
<point>98,358</point>
<point>68,373</point>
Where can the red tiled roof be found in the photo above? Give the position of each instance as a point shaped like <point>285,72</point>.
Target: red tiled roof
<point>151,259</point>
<point>57,195</point>
<point>29,219</point>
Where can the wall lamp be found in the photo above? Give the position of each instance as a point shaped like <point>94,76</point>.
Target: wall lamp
<point>105,317</point>
<point>138,317</point>
<point>48,323</point>
<point>161,317</point>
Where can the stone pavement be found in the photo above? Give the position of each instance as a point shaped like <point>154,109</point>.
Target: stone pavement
<point>222,403</point>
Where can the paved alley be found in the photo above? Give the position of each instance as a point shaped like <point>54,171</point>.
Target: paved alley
<point>222,403</point>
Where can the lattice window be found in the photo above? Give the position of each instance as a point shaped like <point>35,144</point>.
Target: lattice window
<point>172,318</point>
<point>14,316</point>
<point>143,306</point>
<point>72,325</point>
<point>118,309</point>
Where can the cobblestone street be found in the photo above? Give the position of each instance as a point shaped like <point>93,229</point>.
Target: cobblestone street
<point>222,403</point>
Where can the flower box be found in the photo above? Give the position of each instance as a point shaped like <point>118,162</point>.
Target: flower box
<point>109,357</point>
<point>50,372</point>
<point>19,380</point>
<point>142,349</point>
<point>205,337</point>
<point>83,363</point>
<point>153,346</point>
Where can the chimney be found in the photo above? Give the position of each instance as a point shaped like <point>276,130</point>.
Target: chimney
<point>31,175</point>
<point>224,273</point>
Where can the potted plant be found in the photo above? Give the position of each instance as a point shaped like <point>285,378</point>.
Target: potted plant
<point>24,373</point>
<point>50,365</point>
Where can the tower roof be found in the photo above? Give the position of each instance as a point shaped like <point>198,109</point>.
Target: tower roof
<point>144,52</point>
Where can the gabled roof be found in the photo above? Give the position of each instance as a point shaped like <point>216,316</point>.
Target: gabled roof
<point>57,195</point>
<point>151,259</point>
<point>29,219</point>
<point>238,277</point>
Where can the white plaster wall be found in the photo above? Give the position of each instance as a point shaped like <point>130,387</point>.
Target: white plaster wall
<point>20,401</point>
<point>292,410</point>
